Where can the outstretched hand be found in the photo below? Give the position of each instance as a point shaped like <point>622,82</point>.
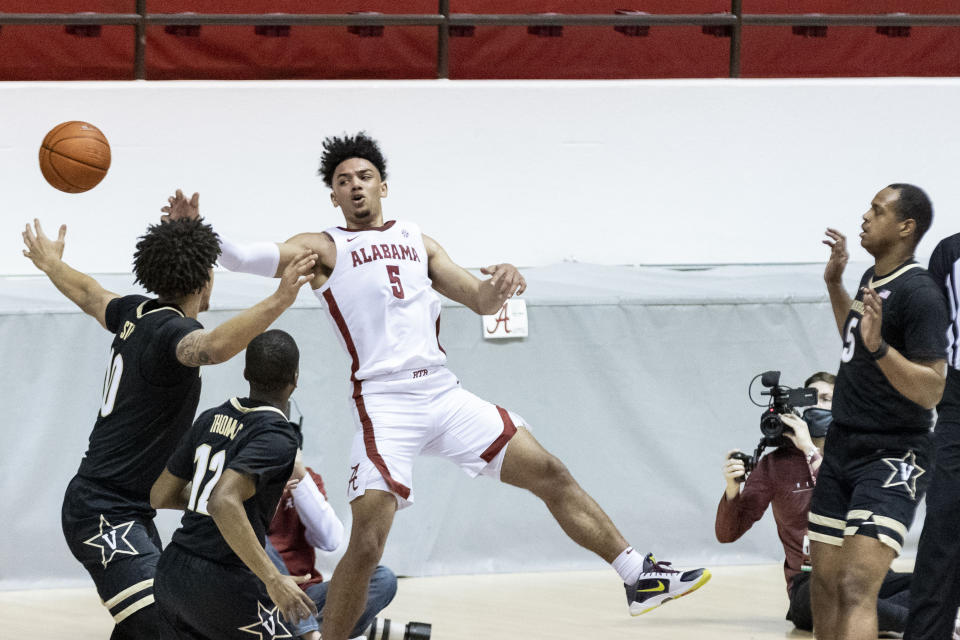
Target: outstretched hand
<point>872,320</point>
<point>42,251</point>
<point>298,273</point>
<point>837,242</point>
<point>179,208</point>
<point>506,280</point>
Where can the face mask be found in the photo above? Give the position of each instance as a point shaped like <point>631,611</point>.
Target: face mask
<point>818,420</point>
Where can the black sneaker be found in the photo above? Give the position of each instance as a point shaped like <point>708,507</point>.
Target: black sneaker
<point>660,582</point>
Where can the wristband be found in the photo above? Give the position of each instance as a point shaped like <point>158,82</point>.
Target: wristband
<point>881,350</point>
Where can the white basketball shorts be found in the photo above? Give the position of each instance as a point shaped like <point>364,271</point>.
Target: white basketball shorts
<point>401,416</point>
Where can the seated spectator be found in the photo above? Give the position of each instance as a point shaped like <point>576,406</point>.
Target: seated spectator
<point>305,521</point>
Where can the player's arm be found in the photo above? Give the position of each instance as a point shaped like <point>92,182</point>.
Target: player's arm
<point>919,381</point>
<point>268,259</point>
<point>170,492</point>
<point>216,345</point>
<point>458,284</point>
<point>81,289</point>
<point>226,508</point>
<point>840,300</point>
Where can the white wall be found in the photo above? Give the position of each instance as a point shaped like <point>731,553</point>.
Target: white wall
<point>633,172</point>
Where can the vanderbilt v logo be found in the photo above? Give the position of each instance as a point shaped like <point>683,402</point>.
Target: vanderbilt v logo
<point>111,538</point>
<point>906,470</point>
<point>904,473</point>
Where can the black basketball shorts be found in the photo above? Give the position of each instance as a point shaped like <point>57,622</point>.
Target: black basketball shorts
<point>869,485</point>
<point>200,598</point>
<point>117,543</point>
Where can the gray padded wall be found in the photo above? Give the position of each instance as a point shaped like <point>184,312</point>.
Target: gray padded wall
<point>636,378</point>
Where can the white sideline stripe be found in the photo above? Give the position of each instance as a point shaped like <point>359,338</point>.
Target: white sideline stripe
<point>132,609</point>
<point>126,593</point>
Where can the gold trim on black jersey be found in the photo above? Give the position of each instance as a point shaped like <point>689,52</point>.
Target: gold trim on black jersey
<point>873,284</point>
<point>140,312</point>
<point>242,409</point>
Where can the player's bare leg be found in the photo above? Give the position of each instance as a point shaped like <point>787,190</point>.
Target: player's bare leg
<point>372,518</point>
<point>827,560</point>
<point>648,583</point>
<point>526,464</point>
<point>865,562</point>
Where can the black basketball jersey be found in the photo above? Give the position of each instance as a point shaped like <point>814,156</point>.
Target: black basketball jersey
<point>149,398</point>
<point>914,323</point>
<point>249,437</point>
<point>945,270</point>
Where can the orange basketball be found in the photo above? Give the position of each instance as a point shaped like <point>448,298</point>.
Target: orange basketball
<point>74,156</point>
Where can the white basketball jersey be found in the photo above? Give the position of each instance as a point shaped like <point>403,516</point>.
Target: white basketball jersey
<point>380,300</point>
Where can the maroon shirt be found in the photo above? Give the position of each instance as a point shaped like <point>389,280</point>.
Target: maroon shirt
<point>782,478</point>
<point>289,537</point>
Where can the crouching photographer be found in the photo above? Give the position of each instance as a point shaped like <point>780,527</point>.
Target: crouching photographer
<point>785,478</point>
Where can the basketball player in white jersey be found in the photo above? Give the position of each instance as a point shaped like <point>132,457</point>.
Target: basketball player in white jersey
<point>378,282</point>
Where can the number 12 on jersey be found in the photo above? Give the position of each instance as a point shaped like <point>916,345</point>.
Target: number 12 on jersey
<point>204,462</point>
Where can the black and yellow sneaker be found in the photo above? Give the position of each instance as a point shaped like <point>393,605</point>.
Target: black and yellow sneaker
<point>660,582</point>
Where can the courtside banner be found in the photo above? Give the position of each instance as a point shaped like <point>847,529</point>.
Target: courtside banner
<point>509,322</point>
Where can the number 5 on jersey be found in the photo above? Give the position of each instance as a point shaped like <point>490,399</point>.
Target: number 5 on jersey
<point>204,462</point>
<point>849,340</point>
<point>393,272</point>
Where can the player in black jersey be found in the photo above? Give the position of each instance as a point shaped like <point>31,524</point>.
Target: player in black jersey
<point>933,606</point>
<point>877,452</point>
<point>150,394</point>
<point>215,580</point>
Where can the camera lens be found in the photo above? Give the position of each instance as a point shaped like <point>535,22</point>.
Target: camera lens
<point>771,426</point>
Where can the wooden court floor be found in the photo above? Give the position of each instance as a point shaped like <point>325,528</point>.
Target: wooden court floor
<point>740,602</point>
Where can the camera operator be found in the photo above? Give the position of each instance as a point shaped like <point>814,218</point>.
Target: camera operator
<point>785,478</point>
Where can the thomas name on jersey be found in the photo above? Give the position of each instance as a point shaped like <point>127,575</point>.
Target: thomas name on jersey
<point>384,252</point>
<point>225,426</point>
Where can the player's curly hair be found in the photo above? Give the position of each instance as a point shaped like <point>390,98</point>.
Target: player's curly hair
<point>336,150</point>
<point>272,360</point>
<point>173,259</point>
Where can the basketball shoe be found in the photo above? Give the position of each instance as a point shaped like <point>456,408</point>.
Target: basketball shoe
<point>659,583</point>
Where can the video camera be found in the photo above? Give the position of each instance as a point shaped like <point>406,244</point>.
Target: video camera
<point>783,400</point>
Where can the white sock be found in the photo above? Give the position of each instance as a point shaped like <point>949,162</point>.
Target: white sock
<point>629,564</point>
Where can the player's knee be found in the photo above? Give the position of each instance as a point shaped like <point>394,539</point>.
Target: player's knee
<point>553,476</point>
<point>366,547</point>
<point>853,589</point>
<point>823,585</point>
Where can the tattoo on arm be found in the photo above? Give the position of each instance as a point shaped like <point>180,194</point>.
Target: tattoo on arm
<point>191,352</point>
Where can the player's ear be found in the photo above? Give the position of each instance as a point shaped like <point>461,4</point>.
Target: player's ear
<point>245,375</point>
<point>908,227</point>
<point>383,189</point>
<point>333,200</point>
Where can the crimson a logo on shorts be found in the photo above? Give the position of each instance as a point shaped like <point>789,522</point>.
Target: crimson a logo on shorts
<point>353,477</point>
